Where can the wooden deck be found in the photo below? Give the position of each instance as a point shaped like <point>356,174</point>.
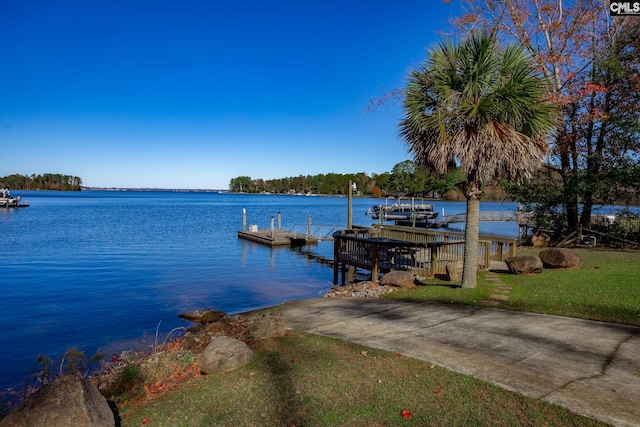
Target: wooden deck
<point>422,252</point>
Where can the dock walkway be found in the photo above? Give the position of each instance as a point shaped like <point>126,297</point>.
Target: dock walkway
<point>521,217</point>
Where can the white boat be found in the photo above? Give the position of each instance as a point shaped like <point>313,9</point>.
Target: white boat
<point>8,201</point>
<point>403,212</point>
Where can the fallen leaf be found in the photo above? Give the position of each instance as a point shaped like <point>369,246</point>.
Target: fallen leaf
<point>436,391</point>
<point>406,415</point>
<point>399,354</point>
<point>364,353</point>
<point>145,421</point>
<point>432,366</point>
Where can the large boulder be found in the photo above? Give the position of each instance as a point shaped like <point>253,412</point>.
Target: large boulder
<point>454,271</point>
<point>67,401</point>
<point>401,279</point>
<point>540,240</point>
<point>225,354</point>
<point>524,264</point>
<point>560,258</point>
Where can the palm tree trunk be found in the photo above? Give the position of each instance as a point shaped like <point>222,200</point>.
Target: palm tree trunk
<point>470,267</point>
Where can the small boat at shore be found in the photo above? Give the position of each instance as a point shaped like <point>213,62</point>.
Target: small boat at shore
<point>8,201</point>
<point>403,212</point>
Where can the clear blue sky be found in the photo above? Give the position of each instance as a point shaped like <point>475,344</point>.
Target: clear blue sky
<point>189,94</point>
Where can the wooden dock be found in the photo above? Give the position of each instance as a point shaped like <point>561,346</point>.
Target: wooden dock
<point>277,238</point>
<point>298,235</point>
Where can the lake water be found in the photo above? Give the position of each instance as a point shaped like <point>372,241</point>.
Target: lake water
<point>102,270</point>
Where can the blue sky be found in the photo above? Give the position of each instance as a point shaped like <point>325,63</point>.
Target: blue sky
<point>189,94</point>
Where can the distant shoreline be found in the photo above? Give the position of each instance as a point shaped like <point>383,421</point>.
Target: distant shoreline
<point>201,190</point>
<point>174,190</point>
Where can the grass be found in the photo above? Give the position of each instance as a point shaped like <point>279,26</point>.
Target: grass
<point>606,288</point>
<point>309,380</point>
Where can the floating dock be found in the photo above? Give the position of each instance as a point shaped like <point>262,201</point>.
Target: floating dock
<point>277,238</point>
<point>298,235</point>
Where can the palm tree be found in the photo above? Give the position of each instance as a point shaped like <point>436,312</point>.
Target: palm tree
<point>482,108</point>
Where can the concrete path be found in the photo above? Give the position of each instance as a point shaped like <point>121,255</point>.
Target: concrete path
<point>592,368</point>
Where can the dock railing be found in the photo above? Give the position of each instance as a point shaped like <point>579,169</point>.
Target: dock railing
<point>315,232</point>
<point>423,252</point>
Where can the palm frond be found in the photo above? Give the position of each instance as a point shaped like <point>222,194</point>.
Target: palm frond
<point>478,105</point>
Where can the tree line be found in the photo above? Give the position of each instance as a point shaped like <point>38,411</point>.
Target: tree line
<point>47,181</point>
<point>405,179</point>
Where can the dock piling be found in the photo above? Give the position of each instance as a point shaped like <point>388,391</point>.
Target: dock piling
<point>244,219</point>
<point>273,231</point>
<point>349,206</point>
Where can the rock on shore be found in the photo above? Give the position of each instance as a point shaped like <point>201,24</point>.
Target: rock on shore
<point>390,282</point>
<point>360,289</point>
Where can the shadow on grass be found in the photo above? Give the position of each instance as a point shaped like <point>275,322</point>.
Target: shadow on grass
<point>443,282</point>
<point>284,396</point>
<point>441,285</point>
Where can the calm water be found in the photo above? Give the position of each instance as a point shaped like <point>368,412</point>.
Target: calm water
<point>102,270</point>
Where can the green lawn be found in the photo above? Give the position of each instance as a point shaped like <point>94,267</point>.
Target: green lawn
<point>310,380</point>
<point>606,288</point>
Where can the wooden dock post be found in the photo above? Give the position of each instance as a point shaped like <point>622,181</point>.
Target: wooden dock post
<point>309,228</point>
<point>279,221</point>
<point>244,219</point>
<point>349,206</point>
<point>273,231</point>
<point>433,259</point>
<point>374,264</point>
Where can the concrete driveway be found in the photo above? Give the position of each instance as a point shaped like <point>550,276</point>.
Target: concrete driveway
<point>592,368</point>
